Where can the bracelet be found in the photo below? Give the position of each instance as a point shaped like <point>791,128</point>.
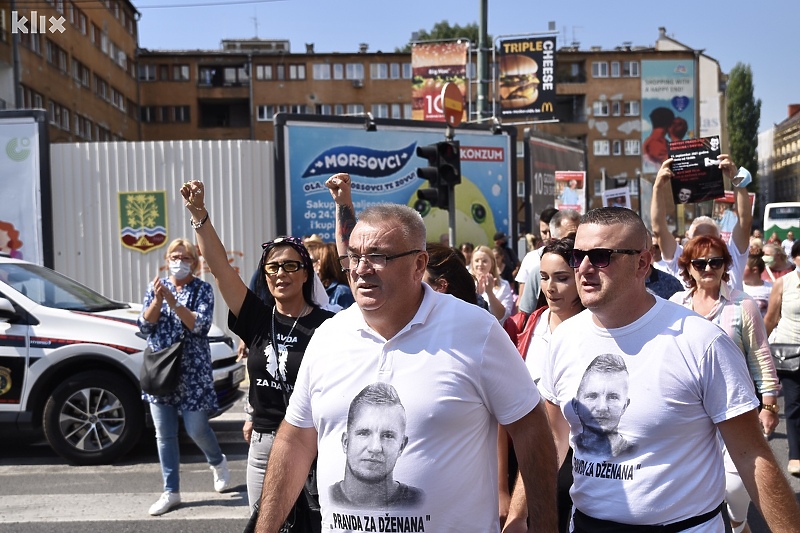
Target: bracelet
<point>198,225</point>
<point>771,407</point>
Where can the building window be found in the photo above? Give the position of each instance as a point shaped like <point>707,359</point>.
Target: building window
<point>338,71</point>
<point>632,147</point>
<point>632,109</point>
<point>355,109</point>
<point>379,71</point>
<point>616,147</point>
<point>324,109</point>
<point>265,112</point>
<point>616,108</point>
<point>181,113</point>
<point>397,111</point>
<point>180,72</point>
<point>263,72</point>
<point>321,71</point>
<point>598,187</point>
<point>615,69</point>
<point>600,109</point>
<point>407,72</point>
<point>380,111</point>
<point>407,110</point>
<point>280,72</point>
<point>147,72</point>
<point>395,70</point>
<point>601,147</point>
<point>355,71</point>
<point>297,72</point>
<point>338,109</point>
<point>599,69</point>
<point>630,69</point>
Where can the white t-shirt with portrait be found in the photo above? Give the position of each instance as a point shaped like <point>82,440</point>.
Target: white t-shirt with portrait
<point>457,375</point>
<point>663,461</point>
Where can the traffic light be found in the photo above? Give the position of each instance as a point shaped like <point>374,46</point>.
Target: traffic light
<point>443,172</point>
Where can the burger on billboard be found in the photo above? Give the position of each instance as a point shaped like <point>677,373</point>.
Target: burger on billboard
<point>434,65</point>
<point>519,83</point>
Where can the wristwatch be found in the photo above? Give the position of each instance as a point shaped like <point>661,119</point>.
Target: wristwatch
<point>772,407</point>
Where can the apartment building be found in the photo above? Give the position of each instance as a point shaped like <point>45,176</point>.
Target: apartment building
<point>76,59</point>
<point>786,157</point>
<point>235,92</point>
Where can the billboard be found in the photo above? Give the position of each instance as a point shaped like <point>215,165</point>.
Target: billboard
<point>526,85</point>
<point>545,155</point>
<point>25,203</point>
<point>668,108</point>
<point>434,65</point>
<point>382,165</point>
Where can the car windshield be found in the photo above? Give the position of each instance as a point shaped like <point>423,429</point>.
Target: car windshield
<point>51,289</point>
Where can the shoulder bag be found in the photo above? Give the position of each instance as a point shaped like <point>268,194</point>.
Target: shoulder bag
<point>786,357</point>
<point>161,369</point>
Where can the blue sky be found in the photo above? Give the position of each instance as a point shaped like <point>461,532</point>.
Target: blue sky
<point>763,35</point>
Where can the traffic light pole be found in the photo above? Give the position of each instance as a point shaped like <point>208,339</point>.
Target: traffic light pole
<point>450,133</point>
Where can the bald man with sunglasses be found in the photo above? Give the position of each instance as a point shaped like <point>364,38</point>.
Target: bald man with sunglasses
<point>687,385</point>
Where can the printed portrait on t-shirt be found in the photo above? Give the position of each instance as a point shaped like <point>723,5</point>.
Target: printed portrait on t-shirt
<point>373,441</point>
<point>600,402</point>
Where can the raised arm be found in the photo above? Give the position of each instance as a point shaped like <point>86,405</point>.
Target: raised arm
<point>230,285</point>
<point>661,203</point>
<point>292,453</point>
<point>339,185</point>
<point>741,231</point>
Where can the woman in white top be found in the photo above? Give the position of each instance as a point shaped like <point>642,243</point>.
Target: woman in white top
<point>558,301</point>
<point>490,286</point>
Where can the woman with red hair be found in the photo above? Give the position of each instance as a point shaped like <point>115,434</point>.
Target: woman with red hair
<point>704,265</point>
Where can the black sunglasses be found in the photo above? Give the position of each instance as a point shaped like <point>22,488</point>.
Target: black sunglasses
<point>598,257</point>
<point>714,262</point>
<point>287,266</point>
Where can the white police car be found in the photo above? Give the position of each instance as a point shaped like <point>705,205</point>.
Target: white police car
<point>70,361</point>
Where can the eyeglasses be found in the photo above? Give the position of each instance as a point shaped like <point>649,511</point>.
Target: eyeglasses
<point>287,266</point>
<point>177,257</point>
<point>376,261</point>
<point>714,262</point>
<point>598,257</point>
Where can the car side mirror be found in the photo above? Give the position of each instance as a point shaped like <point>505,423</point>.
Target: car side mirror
<point>7,311</point>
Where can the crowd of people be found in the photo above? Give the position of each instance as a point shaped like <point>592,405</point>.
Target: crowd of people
<point>615,378</point>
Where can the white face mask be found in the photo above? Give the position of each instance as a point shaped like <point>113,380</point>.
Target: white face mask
<point>180,269</point>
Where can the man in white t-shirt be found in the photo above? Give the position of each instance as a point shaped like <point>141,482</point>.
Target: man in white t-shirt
<point>739,242</point>
<point>679,382</point>
<point>787,243</point>
<point>456,371</point>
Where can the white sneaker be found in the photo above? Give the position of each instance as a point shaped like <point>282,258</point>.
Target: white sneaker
<point>167,501</point>
<point>222,476</point>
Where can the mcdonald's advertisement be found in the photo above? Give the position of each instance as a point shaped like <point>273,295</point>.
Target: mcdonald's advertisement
<point>434,65</point>
<point>526,87</point>
<point>383,168</point>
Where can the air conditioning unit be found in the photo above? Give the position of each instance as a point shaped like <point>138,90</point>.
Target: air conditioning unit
<point>358,84</point>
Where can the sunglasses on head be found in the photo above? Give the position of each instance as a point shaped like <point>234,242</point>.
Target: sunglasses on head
<point>714,262</point>
<point>598,257</point>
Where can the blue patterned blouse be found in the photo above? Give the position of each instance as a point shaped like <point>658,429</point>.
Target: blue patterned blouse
<point>196,389</point>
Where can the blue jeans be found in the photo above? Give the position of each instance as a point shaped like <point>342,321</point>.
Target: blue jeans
<point>196,424</point>
<point>260,448</point>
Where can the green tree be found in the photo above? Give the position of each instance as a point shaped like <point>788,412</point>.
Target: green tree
<point>444,31</point>
<point>744,117</point>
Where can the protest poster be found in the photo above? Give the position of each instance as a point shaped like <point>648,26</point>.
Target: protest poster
<point>695,167</point>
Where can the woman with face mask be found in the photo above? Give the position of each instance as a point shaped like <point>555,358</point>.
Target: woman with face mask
<point>175,305</point>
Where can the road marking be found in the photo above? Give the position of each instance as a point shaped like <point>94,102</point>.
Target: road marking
<point>105,507</point>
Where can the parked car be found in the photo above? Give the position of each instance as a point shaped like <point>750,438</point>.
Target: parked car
<point>70,361</point>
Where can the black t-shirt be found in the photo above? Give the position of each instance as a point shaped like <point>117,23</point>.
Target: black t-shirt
<point>253,326</point>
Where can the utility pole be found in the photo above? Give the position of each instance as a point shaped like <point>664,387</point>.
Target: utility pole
<point>484,110</point>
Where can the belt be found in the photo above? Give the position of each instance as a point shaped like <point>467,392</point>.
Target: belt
<point>584,523</point>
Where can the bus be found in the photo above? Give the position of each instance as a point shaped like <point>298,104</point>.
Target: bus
<point>781,218</point>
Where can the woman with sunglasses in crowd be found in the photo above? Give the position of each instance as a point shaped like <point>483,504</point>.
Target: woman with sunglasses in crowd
<point>276,332</point>
<point>704,265</point>
<point>558,301</point>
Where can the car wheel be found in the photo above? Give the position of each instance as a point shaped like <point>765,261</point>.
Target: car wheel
<point>93,418</point>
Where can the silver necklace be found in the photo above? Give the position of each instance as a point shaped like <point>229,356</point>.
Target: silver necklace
<point>288,335</point>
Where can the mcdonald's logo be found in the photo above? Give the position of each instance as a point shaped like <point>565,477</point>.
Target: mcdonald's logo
<point>547,107</point>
